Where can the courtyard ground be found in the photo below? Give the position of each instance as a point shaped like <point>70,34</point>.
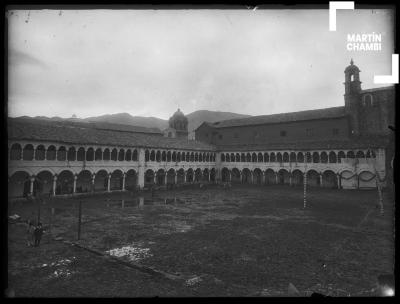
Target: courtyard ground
<point>243,241</point>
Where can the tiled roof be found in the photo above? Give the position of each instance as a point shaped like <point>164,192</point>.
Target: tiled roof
<point>333,112</point>
<point>74,134</point>
<point>377,89</point>
<point>354,143</point>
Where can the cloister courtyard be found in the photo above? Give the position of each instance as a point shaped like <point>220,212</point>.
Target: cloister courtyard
<point>247,240</point>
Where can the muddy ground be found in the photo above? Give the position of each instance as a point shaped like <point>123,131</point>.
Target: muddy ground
<point>244,241</point>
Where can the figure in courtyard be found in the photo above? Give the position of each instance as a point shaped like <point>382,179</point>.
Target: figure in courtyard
<point>29,233</point>
<point>38,234</point>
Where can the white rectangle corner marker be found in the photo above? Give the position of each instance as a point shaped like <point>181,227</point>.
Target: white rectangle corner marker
<point>394,78</point>
<point>335,5</point>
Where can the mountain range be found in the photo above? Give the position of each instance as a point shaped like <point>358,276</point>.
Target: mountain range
<point>195,119</point>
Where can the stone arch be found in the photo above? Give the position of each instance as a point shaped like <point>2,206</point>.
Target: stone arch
<point>16,152</point>
<point>121,155</point>
<point>65,182</point>
<point>158,156</point>
<point>84,182</point>
<point>232,157</point>
<point>272,157</point>
<point>101,180</point>
<point>260,157</point>
<point>313,178</point>
<point>19,184</point>
<point>171,176</point>
<point>308,157</point>
<point>225,175</point>
<point>329,179</point>
<point>40,153</point>
<point>131,180</point>
<point>300,157</point>
<point>297,178</point>
<point>222,157</point>
<point>200,157</point>
<point>254,157</point>
<point>237,157</point>
<point>366,180</point>
<point>257,176</point>
<point>212,175</point>
<point>116,180</point>
<point>360,154</point>
<point>90,154</point>
<point>106,154</point>
<point>174,156</point>
<point>227,157</point>
<point>248,157</point>
<point>135,155</point>
<point>192,157</point>
<point>285,157</point>
<point>332,157</point>
<point>169,156</point>
<point>270,176</point>
<point>315,157</point>
<point>196,157</point>
<point>44,182</point>
<point>243,157</point>
<point>292,157</point>
<point>189,175</point>
<point>27,153</point>
<point>370,154</point>
<point>246,176</point>
<point>206,175</point>
<point>266,157</point>
<point>181,176</point>
<point>350,154</point>
<point>178,157</point>
<point>279,158</point>
<point>80,154</point>
<point>152,155</point>
<point>341,155</point>
<point>128,155</point>
<point>324,157</point>
<point>98,154</point>
<point>147,155</point>
<point>164,156</point>
<point>348,179</point>
<point>149,177</point>
<point>283,177</point>
<point>197,175</point>
<point>51,153</point>
<point>235,176</point>
<point>160,177</point>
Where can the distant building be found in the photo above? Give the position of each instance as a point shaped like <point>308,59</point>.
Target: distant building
<point>347,147</point>
<point>178,126</point>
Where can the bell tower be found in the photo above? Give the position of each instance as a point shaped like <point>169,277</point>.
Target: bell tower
<point>352,90</point>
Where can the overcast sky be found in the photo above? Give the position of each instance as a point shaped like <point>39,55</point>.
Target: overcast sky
<point>150,62</point>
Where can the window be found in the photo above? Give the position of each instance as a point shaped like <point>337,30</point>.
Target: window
<point>310,132</point>
<point>335,131</point>
<point>283,133</point>
<point>368,101</point>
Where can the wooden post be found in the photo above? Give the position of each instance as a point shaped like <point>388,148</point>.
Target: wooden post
<point>79,220</point>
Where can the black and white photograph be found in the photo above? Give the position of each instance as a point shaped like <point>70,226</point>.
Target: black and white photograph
<point>187,151</point>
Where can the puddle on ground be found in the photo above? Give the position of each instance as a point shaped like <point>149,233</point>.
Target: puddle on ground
<point>133,252</point>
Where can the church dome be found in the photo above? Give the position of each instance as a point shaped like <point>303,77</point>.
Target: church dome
<point>352,68</point>
<point>178,121</point>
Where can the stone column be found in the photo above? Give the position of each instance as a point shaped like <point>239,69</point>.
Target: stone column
<point>93,179</point>
<point>176,178</point>
<point>123,181</point>
<point>75,179</point>
<point>34,153</point>
<point>276,177</point>
<point>338,180</point>
<point>185,176</point>
<point>54,184</point>
<point>263,177</point>
<point>252,177</point>
<point>109,183</point>
<point>320,179</point>
<point>32,179</point>
<point>165,178</point>
<point>290,178</point>
<point>141,169</point>
<point>155,178</point>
